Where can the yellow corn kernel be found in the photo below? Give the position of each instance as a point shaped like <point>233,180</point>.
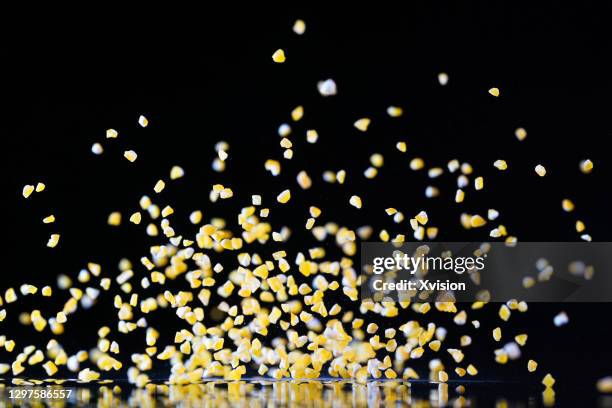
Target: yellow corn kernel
<point>521,339</point>
<point>604,385</point>
<point>176,172</point>
<point>130,155</point>
<point>278,56</point>
<point>114,219</point>
<point>504,313</point>
<point>417,164</point>
<point>459,196</point>
<point>567,205</point>
<point>297,113</point>
<point>53,240</point>
<point>548,380</point>
<point>159,186</point>
<point>284,196</point>
<point>494,92</point>
<point>49,219</point>
<point>143,121</point>
<point>520,134</point>
<point>312,136</point>
<point>500,164</point>
<point>87,375</point>
<point>27,190</point>
<point>477,221</point>
<point>586,166</point>
<point>111,133</point>
<point>355,201</point>
<point>395,111</point>
<point>304,180</point>
<point>50,368</point>
<point>540,170</point>
<point>362,124</point>
<point>299,27</point>
<point>497,334</point>
<point>135,218</point>
<point>167,211</point>
<point>401,146</point>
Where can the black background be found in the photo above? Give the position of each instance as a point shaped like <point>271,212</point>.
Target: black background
<point>201,77</point>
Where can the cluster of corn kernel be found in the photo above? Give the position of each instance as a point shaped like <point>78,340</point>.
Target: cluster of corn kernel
<point>309,296</point>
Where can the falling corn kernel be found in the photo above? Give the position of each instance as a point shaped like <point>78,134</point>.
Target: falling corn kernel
<point>176,172</point>
<point>327,87</point>
<point>169,210</point>
<point>479,183</point>
<point>604,385</point>
<point>362,124</point>
<point>561,319</point>
<point>532,366</point>
<point>504,313</point>
<point>130,155</point>
<point>53,240</point>
<point>49,219</point>
<point>304,180</point>
<point>355,201</point>
<point>299,27</point>
<point>284,196</point>
<point>111,134</point>
<point>540,170</point>
<point>27,190</point>
<point>143,121</point>
<point>97,148</point>
<point>494,92</point>
<point>114,219</point>
<point>297,113</point>
<point>521,339</point>
<point>548,381</point>
<point>459,196</point>
<point>586,166</point>
<point>567,205</point>
<point>312,136</point>
<point>500,164</point>
<point>401,146</point>
<point>497,334</point>
<point>395,111</point>
<point>477,221</point>
<point>278,56</point>
<point>417,163</point>
<point>443,78</point>
<point>136,218</point>
<point>159,186</point>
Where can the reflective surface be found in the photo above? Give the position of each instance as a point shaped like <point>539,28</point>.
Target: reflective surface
<point>325,393</point>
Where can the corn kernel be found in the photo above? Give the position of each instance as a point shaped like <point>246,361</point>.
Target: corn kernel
<point>130,155</point>
<point>362,124</point>
<point>278,56</point>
